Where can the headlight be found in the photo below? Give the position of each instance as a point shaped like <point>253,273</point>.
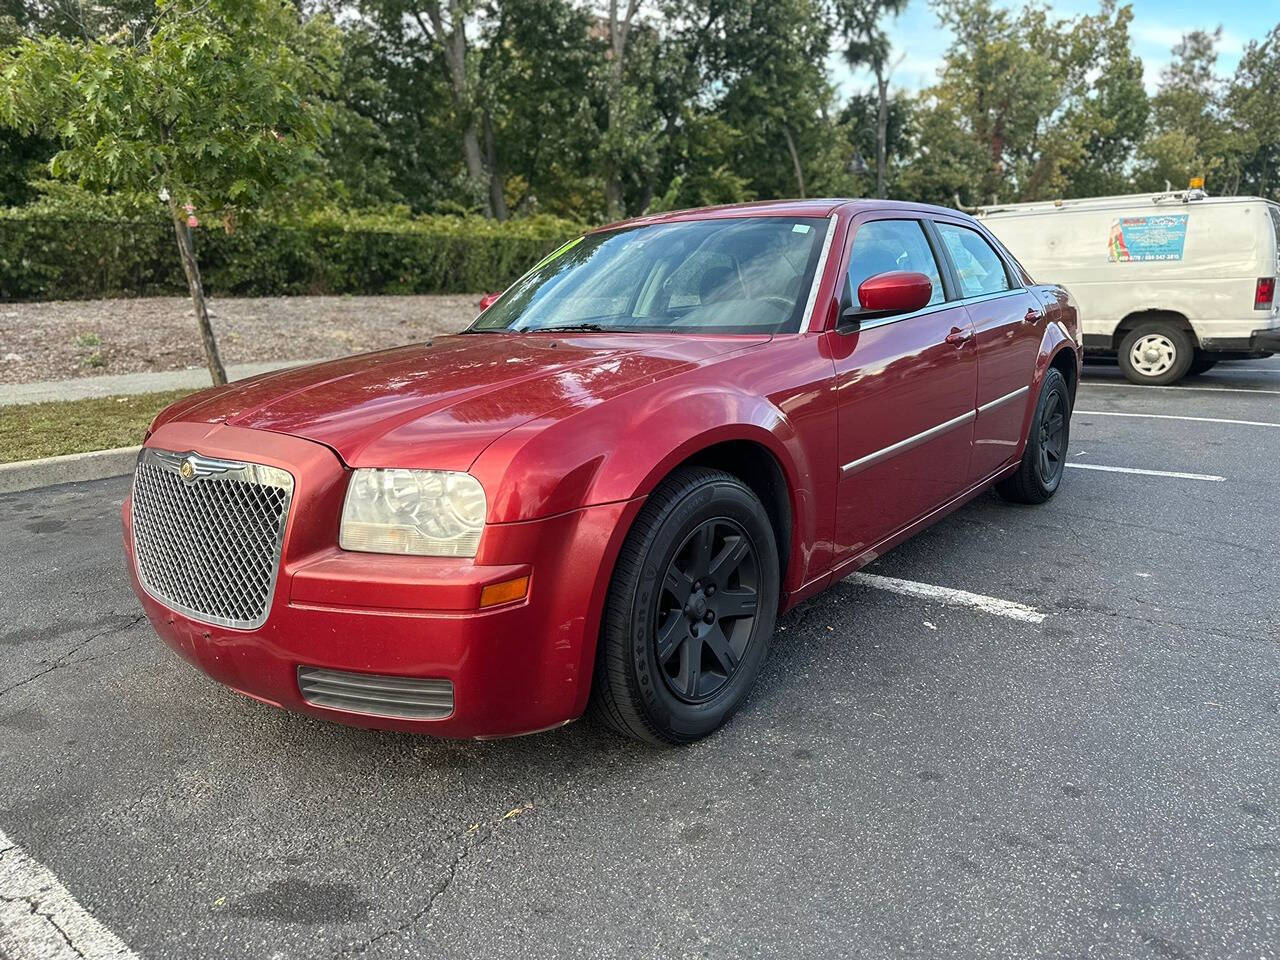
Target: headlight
<point>434,513</point>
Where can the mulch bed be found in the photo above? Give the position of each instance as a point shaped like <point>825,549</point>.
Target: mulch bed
<point>64,339</point>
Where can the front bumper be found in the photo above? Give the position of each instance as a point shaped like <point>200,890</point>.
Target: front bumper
<point>515,668</point>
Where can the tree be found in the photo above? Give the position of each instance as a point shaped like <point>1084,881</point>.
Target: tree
<point>1250,104</point>
<point>867,43</point>
<point>212,108</point>
<point>1189,134</point>
<point>620,23</point>
<point>1032,92</point>
<point>444,25</point>
<point>1112,117</point>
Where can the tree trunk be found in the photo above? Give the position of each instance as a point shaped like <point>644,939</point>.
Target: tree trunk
<point>452,41</point>
<point>471,152</point>
<point>497,184</point>
<point>618,30</point>
<point>882,128</point>
<point>795,160</point>
<point>187,252</point>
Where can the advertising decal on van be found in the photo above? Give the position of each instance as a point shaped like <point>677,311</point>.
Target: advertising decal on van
<point>1134,239</point>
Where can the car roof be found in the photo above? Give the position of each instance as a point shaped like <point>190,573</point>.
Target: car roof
<point>823,207</point>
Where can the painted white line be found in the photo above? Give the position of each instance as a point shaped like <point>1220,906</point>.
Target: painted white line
<point>1148,473</point>
<point>1138,386</point>
<point>1166,416</point>
<point>955,598</point>
<point>41,920</point>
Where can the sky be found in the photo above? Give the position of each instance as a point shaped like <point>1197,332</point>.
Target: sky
<point>1157,25</point>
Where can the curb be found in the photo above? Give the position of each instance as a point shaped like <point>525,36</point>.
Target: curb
<point>95,465</point>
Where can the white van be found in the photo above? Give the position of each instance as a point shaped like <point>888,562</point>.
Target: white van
<point>1168,283</point>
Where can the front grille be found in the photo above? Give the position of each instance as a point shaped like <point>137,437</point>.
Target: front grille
<point>207,534</point>
<point>411,698</point>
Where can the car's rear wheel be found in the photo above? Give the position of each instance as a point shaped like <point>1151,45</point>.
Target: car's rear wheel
<point>690,609</point>
<point>1156,353</point>
<point>1044,459</point>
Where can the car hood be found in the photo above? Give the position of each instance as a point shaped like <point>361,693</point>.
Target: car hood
<point>438,405</point>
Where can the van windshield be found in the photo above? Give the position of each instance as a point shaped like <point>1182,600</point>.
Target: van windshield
<point>732,275</point>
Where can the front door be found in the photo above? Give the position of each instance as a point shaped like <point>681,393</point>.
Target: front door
<point>906,395</point>
<point>1008,322</point>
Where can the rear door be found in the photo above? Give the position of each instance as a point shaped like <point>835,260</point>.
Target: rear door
<point>906,392</point>
<point>1008,322</point>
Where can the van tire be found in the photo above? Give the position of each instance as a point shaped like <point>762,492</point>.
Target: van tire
<point>1156,353</point>
<point>1201,364</point>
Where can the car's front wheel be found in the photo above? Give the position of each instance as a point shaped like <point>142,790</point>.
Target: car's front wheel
<point>690,609</point>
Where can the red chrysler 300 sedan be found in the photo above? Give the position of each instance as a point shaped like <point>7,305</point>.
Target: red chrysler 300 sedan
<point>665,433</point>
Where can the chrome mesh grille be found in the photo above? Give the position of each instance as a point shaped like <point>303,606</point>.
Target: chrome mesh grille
<point>412,698</point>
<point>207,534</point>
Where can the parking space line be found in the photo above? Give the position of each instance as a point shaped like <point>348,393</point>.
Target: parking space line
<point>950,596</point>
<point>41,920</point>
<point>1148,473</point>
<point>1167,416</point>
<point>1138,386</point>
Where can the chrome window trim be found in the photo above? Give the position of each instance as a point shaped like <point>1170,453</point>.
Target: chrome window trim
<point>1011,395</point>
<point>262,474</point>
<point>856,465</point>
<point>925,311</point>
<point>819,271</point>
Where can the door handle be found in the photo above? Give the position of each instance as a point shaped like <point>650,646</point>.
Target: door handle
<point>1031,316</point>
<point>958,337</point>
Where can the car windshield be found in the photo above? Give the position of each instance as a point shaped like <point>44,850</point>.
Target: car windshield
<point>739,275</point>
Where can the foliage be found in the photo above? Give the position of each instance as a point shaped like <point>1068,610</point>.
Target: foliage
<point>212,103</point>
<point>54,429</point>
<point>329,252</point>
<point>580,109</point>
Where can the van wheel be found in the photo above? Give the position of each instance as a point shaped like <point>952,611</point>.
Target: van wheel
<point>1156,354</point>
<point>1200,364</point>
<point>1044,459</point>
<point>690,609</point>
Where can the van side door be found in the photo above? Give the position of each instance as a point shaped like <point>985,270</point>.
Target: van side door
<point>1008,322</point>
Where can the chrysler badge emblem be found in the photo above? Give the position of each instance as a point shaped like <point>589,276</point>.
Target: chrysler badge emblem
<point>188,469</point>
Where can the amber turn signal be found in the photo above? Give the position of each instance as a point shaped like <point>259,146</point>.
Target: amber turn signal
<point>504,592</point>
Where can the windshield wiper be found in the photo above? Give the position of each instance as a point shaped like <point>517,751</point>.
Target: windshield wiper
<point>590,327</point>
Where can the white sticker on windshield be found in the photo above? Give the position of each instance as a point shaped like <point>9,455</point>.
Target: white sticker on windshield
<point>801,228</point>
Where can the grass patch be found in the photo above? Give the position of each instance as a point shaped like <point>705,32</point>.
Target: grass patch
<point>29,431</point>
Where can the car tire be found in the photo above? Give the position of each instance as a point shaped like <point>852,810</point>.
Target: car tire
<point>1044,458</point>
<point>1156,354</point>
<point>1201,364</point>
<point>681,642</point>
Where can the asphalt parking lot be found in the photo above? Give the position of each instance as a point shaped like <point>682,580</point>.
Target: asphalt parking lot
<point>1091,773</point>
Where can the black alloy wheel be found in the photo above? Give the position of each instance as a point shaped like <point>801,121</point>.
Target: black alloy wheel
<point>1053,438</point>
<point>1045,458</point>
<point>690,609</point>
<point>706,610</point>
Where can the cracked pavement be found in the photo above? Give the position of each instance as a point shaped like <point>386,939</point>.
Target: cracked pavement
<point>908,778</point>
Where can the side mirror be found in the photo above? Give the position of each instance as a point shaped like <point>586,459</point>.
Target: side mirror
<point>487,300</point>
<point>888,294</point>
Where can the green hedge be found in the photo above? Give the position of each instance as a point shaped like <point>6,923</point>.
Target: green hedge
<point>48,258</point>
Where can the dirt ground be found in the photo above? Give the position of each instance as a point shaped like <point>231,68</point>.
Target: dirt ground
<point>64,339</point>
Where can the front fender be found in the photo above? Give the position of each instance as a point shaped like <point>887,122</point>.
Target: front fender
<point>621,449</point>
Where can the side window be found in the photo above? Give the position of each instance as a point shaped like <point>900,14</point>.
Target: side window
<point>981,270</point>
<point>881,246</point>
